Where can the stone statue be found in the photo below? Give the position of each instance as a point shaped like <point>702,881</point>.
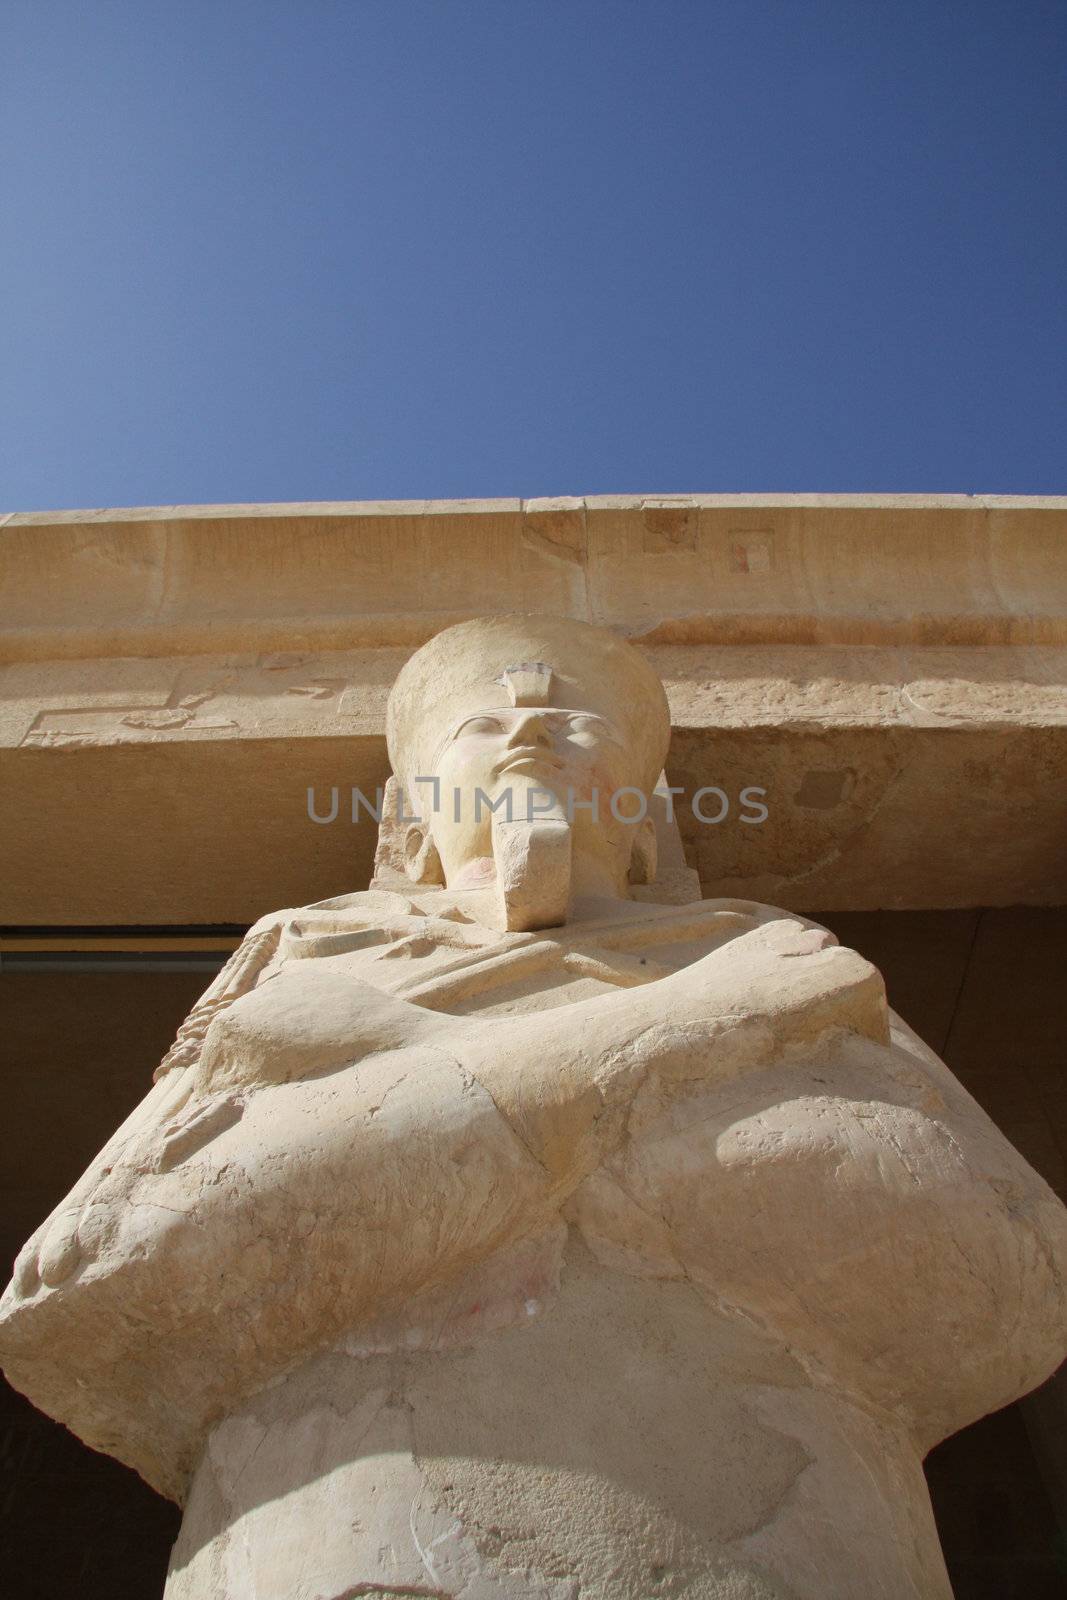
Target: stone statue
<point>527,1226</point>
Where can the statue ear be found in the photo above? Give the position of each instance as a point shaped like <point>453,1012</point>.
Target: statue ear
<point>421,861</point>
<point>643,854</point>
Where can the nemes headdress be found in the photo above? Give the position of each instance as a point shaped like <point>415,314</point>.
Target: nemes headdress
<point>493,662</point>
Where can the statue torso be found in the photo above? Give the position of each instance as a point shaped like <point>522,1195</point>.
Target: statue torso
<point>380,1093</point>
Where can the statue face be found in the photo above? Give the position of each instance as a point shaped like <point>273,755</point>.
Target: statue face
<point>572,755</point>
<point>500,707</point>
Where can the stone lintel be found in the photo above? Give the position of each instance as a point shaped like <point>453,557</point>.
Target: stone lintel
<point>892,670</point>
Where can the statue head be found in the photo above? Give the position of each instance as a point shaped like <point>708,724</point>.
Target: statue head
<point>527,748</point>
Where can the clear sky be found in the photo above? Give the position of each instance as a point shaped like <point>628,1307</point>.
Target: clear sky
<point>259,250</point>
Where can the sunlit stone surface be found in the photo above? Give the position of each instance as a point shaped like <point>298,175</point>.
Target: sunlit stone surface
<point>527,1226</point>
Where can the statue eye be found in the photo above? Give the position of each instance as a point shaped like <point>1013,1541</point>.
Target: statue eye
<point>479,725</point>
<point>591,726</point>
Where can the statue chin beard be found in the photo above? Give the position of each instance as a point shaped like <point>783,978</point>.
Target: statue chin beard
<point>538,871</point>
<point>534,864</point>
<point>527,881</point>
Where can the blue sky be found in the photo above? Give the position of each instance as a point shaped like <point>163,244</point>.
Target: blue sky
<point>337,249</point>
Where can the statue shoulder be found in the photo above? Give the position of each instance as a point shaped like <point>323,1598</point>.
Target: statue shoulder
<point>362,905</point>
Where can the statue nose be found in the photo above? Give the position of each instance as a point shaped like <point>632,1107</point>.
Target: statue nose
<point>529,730</point>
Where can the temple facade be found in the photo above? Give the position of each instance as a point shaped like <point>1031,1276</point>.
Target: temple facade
<point>782,833</point>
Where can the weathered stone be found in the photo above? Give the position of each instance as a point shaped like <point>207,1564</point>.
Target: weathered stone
<point>641,1253</point>
<point>891,671</point>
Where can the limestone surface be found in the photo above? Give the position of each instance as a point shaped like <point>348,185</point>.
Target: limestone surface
<point>891,670</point>
<point>526,1226</point>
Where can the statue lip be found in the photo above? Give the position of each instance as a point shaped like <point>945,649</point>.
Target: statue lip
<point>528,757</point>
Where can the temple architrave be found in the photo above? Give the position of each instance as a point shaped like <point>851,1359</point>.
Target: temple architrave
<point>890,669</point>
<point>535,1048</point>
